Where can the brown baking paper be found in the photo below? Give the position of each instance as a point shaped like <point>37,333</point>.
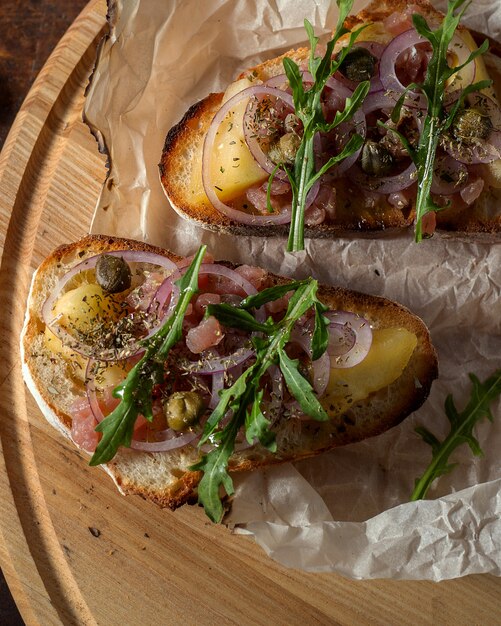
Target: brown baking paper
<point>346,511</point>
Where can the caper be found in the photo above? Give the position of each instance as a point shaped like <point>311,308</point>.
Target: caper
<point>113,273</point>
<point>376,159</point>
<point>182,409</point>
<point>284,150</point>
<point>359,64</point>
<point>471,124</point>
<point>291,123</point>
<point>289,144</point>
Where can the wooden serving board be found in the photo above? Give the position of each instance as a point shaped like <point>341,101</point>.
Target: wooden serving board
<point>73,550</point>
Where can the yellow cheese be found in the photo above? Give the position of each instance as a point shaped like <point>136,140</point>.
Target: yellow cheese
<point>233,168</point>
<point>81,308</point>
<point>77,363</point>
<point>388,356</point>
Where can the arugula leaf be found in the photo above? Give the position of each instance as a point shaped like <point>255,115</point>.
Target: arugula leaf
<point>300,388</point>
<point>437,118</point>
<point>135,391</point>
<point>236,317</point>
<point>269,295</point>
<point>308,108</point>
<point>243,399</point>
<point>257,426</point>
<point>320,338</point>
<point>214,467</point>
<point>461,431</point>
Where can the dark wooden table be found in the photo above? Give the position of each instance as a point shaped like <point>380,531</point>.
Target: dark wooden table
<point>29,31</point>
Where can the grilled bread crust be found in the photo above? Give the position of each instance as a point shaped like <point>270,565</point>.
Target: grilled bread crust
<point>481,220</point>
<point>164,477</point>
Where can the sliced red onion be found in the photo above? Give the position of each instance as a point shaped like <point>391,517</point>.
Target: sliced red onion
<point>218,364</point>
<point>449,176</point>
<point>384,184</point>
<point>217,386</point>
<point>387,71</point>
<point>281,81</point>
<point>472,190</point>
<point>363,333</point>
<point>172,443</point>
<point>234,214</point>
<point>407,39</point>
<point>342,338</point>
<point>247,287</point>
<point>131,256</point>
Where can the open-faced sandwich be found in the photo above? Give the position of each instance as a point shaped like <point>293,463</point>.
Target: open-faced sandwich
<point>393,123</point>
<point>173,372</point>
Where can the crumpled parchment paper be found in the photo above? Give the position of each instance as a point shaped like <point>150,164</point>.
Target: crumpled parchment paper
<point>346,511</point>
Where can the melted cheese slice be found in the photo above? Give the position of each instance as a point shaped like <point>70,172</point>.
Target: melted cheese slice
<point>388,356</point>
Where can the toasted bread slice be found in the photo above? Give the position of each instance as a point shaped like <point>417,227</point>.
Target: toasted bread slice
<point>355,212</point>
<point>165,477</point>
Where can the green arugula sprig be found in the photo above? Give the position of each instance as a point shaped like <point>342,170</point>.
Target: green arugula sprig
<point>461,432</point>
<point>243,399</point>
<point>135,392</point>
<point>308,108</point>
<point>438,119</point>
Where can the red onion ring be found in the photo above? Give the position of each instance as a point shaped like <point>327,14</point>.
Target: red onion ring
<point>246,286</point>
<point>405,40</point>
<point>217,386</point>
<point>230,212</point>
<point>219,364</point>
<point>384,184</point>
<point>342,338</point>
<point>131,256</point>
<point>393,50</point>
<point>453,171</point>
<point>174,442</point>
<point>362,330</point>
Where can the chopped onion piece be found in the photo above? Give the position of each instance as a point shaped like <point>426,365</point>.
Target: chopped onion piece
<point>363,333</point>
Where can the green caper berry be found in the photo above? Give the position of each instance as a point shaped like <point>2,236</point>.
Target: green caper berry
<point>471,124</point>
<point>359,64</point>
<point>291,123</point>
<point>376,159</point>
<point>275,154</point>
<point>289,144</point>
<point>113,273</point>
<point>182,409</point>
